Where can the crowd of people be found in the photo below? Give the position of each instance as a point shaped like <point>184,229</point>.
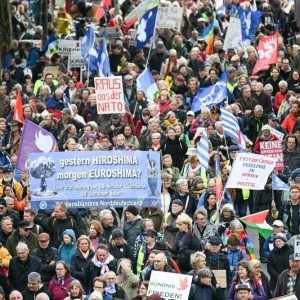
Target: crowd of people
<point>95,254</point>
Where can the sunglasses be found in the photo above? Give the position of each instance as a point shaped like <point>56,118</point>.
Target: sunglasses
<point>26,229</point>
<point>43,241</point>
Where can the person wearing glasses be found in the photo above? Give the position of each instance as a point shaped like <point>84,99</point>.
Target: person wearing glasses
<point>21,265</point>
<point>5,212</point>
<point>60,283</point>
<point>99,286</point>
<point>22,234</point>
<point>47,256</point>
<point>113,289</point>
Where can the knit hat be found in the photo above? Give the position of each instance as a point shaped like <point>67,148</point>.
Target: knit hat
<point>280,236</point>
<point>232,148</point>
<point>295,173</point>
<point>116,233</point>
<point>180,78</point>
<point>132,209</point>
<point>228,206</point>
<point>177,202</point>
<point>155,296</point>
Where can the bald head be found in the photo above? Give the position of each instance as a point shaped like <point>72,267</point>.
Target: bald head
<point>160,261</point>
<point>42,296</point>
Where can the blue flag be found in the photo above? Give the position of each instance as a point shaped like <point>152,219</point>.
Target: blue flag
<point>203,151</point>
<point>212,95</point>
<point>278,184</point>
<point>103,60</point>
<point>51,46</point>
<point>146,28</point>
<point>6,61</point>
<point>249,22</point>
<point>146,83</point>
<point>89,51</point>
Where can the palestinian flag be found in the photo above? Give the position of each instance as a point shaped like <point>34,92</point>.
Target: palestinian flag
<point>258,222</point>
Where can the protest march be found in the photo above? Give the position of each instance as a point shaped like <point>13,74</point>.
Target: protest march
<point>150,150</point>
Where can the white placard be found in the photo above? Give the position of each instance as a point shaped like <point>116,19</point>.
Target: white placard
<point>279,134</point>
<point>297,249</point>
<point>170,285</point>
<point>110,96</point>
<point>65,47</point>
<point>112,33</point>
<point>169,17</point>
<point>233,37</point>
<point>250,171</point>
<point>75,60</point>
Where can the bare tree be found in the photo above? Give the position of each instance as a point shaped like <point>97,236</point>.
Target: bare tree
<point>5,28</point>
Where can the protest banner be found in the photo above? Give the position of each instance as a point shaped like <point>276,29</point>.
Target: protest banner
<point>169,285</point>
<point>111,33</point>
<point>110,96</point>
<point>273,149</point>
<point>52,70</point>
<point>133,38</point>
<point>250,171</point>
<point>75,60</point>
<point>297,249</point>
<point>286,297</point>
<point>95,179</point>
<point>233,37</point>
<point>279,134</point>
<point>65,47</point>
<point>221,277</point>
<point>169,17</point>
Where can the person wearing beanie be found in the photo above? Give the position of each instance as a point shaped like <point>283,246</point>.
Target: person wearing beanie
<point>155,296</point>
<point>132,226</point>
<point>118,246</point>
<point>278,260</point>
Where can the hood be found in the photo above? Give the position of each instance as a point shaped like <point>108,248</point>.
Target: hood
<point>22,66</point>
<point>71,233</point>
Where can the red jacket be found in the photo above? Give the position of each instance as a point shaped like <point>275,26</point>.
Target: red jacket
<point>289,122</point>
<point>260,139</point>
<point>279,97</point>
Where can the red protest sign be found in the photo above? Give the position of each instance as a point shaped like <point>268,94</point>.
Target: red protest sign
<point>273,149</point>
<point>110,96</point>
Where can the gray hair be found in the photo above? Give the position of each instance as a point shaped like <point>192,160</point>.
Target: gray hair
<point>153,121</point>
<point>22,245</point>
<point>15,292</point>
<point>42,296</point>
<point>34,276</point>
<point>195,258</point>
<point>218,124</point>
<point>5,219</point>
<point>180,181</point>
<point>156,134</point>
<point>283,83</point>
<point>268,86</point>
<point>103,213</point>
<point>258,108</point>
<point>205,273</point>
<point>46,87</point>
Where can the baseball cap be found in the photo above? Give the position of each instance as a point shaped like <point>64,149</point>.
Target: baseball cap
<point>66,111</point>
<point>277,223</point>
<point>190,113</point>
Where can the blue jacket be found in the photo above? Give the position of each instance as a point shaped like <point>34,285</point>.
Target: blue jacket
<point>269,243</point>
<point>65,252</point>
<point>235,257</point>
<point>33,57</point>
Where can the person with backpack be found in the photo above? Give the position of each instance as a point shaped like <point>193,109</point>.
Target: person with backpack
<point>203,289</point>
<point>245,275</point>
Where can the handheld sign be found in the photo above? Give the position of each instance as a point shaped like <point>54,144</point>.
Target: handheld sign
<point>273,149</point>
<point>297,249</point>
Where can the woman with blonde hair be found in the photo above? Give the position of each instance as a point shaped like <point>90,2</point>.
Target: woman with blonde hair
<point>84,252</point>
<point>170,119</point>
<point>96,234</point>
<point>75,291</point>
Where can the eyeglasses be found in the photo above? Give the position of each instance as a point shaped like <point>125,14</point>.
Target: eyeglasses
<point>59,269</point>
<point>26,229</point>
<point>44,241</point>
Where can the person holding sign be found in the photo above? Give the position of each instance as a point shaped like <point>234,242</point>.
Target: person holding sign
<point>289,280</point>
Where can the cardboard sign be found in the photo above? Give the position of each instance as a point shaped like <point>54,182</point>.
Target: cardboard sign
<point>75,60</point>
<point>273,149</point>
<point>221,277</point>
<point>112,33</point>
<point>169,285</point>
<point>169,17</point>
<point>250,171</point>
<point>65,47</point>
<point>110,96</point>
<point>52,70</point>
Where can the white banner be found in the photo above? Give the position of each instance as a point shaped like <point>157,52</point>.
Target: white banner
<point>250,171</point>
<point>110,96</point>
<point>169,17</point>
<point>65,47</point>
<point>297,249</point>
<point>75,60</point>
<point>170,285</point>
<point>279,134</point>
<point>112,33</point>
<point>233,37</point>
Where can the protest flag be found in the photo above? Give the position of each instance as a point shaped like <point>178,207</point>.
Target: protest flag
<point>212,95</point>
<point>6,61</point>
<point>103,5</point>
<point>278,184</point>
<point>89,51</point>
<point>146,28</point>
<point>51,46</point>
<point>232,128</point>
<point>103,60</point>
<point>34,139</point>
<point>258,223</point>
<point>249,21</point>
<point>146,83</point>
<point>219,183</point>
<point>268,53</point>
<point>18,111</point>
<point>208,35</point>
<point>203,151</point>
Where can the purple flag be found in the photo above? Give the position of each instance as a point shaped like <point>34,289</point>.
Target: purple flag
<point>34,139</point>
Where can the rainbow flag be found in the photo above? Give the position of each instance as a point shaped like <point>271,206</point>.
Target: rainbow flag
<point>139,11</point>
<point>219,183</point>
<point>208,35</point>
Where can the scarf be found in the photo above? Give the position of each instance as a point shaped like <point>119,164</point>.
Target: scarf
<point>102,265</point>
<point>60,280</point>
<point>85,254</point>
<point>170,65</point>
<point>197,232</point>
<point>214,257</point>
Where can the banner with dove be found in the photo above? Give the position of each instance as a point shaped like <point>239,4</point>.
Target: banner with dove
<point>34,139</point>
